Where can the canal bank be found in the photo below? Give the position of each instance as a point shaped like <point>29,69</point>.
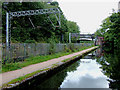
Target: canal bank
<point>41,70</point>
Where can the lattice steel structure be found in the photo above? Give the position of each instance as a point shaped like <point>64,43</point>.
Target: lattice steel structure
<point>11,15</point>
<point>34,12</point>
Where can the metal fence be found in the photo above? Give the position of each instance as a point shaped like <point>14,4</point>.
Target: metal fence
<point>20,51</point>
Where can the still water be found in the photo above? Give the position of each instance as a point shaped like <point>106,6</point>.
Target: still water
<point>96,70</point>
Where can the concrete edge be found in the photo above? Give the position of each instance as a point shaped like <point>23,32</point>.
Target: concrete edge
<point>49,70</point>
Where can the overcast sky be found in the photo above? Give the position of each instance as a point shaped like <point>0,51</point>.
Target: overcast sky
<point>88,14</point>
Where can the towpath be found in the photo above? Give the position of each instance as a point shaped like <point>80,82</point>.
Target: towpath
<point>8,76</point>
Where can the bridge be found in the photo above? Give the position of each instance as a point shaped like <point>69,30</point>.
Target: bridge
<point>89,57</point>
<point>82,37</point>
<point>86,37</point>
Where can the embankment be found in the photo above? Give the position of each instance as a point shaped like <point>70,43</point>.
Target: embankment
<point>47,72</point>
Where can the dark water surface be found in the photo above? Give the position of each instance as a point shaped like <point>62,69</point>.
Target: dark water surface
<point>96,70</point>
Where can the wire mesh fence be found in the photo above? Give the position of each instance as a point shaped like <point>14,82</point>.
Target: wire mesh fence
<point>20,51</point>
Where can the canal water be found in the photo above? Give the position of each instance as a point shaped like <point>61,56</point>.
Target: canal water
<point>98,69</point>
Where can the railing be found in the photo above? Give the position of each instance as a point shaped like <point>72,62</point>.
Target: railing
<point>20,51</point>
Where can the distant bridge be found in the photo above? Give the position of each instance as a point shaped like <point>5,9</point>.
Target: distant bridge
<point>88,58</point>
<point>81,37</point>
<point>86,37</point>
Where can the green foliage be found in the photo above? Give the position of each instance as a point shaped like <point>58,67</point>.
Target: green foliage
<point>54,3</point>
<point>22,29</point>
<point>67,49</point>
<point>38,59</point>
<point>104,27</point>
<point>110,65</point>
<point>73,27</point>
<point>52,48</point>
<point>74,39</point>
<point>30,41</point>
<point>110,30</point>
<point>71,46</point>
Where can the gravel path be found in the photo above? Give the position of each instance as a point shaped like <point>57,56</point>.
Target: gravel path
<point>8,76</point>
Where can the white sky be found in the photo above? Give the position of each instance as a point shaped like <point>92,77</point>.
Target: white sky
<point>88,14</point>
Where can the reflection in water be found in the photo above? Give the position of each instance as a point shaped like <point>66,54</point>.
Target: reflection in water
<point>56,80</point>
<point>87,75</point>
<point>111,67</point>
<point>89,72</point>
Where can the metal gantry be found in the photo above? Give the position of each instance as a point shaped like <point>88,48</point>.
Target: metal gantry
<point>10,15</point>
<point>35,12</point>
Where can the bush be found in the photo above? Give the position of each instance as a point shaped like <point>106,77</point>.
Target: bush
<point>52,46</point>
<point>30,41</point>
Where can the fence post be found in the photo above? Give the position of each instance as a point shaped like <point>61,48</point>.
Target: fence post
<point>24,50</point>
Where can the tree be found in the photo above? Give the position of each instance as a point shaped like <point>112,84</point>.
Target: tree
<point>110,30</point>
<point>44,31</point>
<point>54,3</point>
<point>73,27</point>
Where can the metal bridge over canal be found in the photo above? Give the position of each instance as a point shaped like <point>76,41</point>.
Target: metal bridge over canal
<point>81,37</point>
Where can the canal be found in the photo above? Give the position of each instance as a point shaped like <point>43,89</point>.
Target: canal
<point>98,69</point>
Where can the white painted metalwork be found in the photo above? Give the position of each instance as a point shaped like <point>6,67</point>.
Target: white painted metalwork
<point>10,15</point>
<point>69,37</point>
<point>7,28</point>
<point>31,23</point>
<point>34,12</point>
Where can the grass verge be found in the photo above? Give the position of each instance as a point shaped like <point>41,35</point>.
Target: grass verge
<point>36,59</point>
<point>20,79</point>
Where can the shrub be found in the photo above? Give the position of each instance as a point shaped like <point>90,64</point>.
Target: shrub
<point>30,41</point>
